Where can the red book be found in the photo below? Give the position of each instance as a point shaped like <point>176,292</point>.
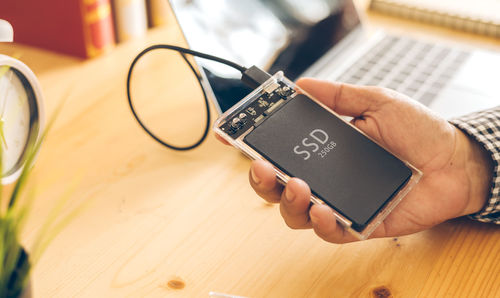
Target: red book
<point>81,28</point>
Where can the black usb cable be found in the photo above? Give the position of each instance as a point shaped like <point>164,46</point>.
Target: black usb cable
<point>252,77</point>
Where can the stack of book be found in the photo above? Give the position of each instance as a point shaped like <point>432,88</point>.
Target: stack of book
<point>478,16</point>
<point>83,28</point>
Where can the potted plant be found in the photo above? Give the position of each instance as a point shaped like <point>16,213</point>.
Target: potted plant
<point>16,261</point>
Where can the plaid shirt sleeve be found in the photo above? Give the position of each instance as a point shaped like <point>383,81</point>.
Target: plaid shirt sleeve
<point>484,127</point>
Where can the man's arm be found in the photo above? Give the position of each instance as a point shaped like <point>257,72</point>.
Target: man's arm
<point>484,128</point>
<point>457,169</point>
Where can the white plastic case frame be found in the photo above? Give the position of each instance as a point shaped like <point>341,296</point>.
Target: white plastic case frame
<point>284,178</point>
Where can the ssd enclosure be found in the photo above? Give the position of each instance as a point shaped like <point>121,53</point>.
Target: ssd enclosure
<point>360,180</point>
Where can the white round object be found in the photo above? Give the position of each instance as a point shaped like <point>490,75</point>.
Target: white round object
<point>21,115</point>
<point>6,31</point>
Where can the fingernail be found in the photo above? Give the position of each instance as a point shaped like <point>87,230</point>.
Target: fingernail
<point>289,195</point>
<point>255,179</point>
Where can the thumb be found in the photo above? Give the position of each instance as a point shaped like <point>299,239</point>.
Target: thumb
<point>345,99</point>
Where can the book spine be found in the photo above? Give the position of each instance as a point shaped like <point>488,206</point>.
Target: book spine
<point>130,19</point>
<point>158,12</point>
<point>453,21</point>
<point>98,31</point>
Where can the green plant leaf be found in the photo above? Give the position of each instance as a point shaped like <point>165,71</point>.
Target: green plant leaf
<point>15,263</point>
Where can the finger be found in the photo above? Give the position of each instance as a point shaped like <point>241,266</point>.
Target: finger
<point>294,205</point>
<point>263,180</point>
<point>221,139</point>
<point>326,227</point>
<point>345,99</point>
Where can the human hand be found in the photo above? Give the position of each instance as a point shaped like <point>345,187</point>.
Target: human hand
<point>457,171</point>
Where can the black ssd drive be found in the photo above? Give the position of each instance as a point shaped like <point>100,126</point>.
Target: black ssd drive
<point>360,180</point>
<point>344,168</point>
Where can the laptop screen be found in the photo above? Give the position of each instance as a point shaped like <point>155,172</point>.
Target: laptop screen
<point>288,35</point>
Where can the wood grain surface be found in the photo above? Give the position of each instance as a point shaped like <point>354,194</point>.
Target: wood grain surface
<point>159,223</point>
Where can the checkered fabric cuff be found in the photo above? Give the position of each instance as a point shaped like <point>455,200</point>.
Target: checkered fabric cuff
<point>484,127</point>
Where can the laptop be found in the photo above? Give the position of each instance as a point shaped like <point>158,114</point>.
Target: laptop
<point>325,39</point>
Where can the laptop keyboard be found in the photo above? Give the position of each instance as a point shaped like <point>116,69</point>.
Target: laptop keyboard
<point>415,68</point>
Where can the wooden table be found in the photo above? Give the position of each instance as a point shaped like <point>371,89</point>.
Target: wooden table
<point>162,223</point>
